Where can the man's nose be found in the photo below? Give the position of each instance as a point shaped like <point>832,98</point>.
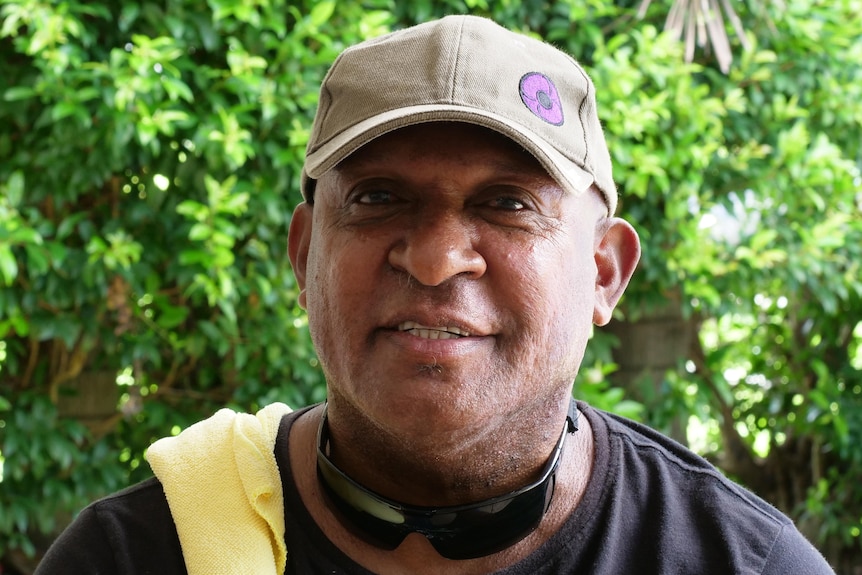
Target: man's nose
<point>438,248</point>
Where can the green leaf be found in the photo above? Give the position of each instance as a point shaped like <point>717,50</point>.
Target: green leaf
<point>57,253</point>
<point>128,15</point>
<point>177,89</point>
<point>8,265</point>
<point>200,232</point>
<point>64,110</point>
<point>321,13</point>
<point>19,93</point>
<point>12,17</point>
<point>37,260</point>
<point>193,209</point>
<point>172,316</point>
<point>24,236</point>
<point>68,224</point>
<point>192,257</point>
<point>15,188</point>
<point>20,325</point>
<point>235,203</point>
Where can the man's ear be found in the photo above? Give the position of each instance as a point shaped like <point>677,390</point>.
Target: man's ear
<point>298,243</point>
<point>617,252</point>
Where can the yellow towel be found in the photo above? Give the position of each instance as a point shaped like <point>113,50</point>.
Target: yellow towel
<point>224,491</point>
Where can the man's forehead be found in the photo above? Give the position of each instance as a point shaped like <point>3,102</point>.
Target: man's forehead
<point>414,142</point>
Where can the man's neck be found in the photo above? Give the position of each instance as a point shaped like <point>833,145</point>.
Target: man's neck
<point>448,467</point>
<point>415,554</point>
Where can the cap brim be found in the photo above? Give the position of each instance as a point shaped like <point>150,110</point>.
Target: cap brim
<point>567,173</point>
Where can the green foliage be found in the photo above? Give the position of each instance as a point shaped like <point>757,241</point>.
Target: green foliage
<point>41,447</point>
<point>149,161</point>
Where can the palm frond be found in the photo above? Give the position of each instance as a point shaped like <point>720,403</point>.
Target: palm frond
<point>703,23</point>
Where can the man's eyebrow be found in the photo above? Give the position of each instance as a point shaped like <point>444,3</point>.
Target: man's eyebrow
<point>365,158</point>
<point>516,168</point>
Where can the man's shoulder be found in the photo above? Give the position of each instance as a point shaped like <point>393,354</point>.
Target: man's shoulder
<point>146,490</point>
<point>141,504</point>
<point>643,454</point>
<point>692,511</point>
<point>130,531</point>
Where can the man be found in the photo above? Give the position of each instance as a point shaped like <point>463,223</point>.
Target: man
<point>456,245</point>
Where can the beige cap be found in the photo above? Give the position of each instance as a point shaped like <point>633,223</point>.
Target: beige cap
<point>464,69</point>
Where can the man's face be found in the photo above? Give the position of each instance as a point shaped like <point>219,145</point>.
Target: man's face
<point>450,282</point>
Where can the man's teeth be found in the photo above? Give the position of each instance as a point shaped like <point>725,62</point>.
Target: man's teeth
<point>427,332</point>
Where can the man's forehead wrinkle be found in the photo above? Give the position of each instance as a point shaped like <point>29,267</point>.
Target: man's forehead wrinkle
<point>365,157</point>
<point>499,165</point>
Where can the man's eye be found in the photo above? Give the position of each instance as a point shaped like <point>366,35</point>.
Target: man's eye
<point>508,203</point>
<point>373,197</point>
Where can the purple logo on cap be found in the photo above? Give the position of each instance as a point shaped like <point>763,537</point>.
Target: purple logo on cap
<point>540,95</point>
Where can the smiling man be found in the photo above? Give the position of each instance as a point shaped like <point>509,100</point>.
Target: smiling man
<point>456,245</point>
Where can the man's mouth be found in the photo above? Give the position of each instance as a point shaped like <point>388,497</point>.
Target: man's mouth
<point>428,332</point>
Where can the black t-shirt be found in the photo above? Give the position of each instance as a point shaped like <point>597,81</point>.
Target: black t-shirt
<point>651,507</point>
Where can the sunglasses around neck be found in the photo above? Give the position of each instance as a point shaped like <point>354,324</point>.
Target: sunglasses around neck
<point>456,532</point>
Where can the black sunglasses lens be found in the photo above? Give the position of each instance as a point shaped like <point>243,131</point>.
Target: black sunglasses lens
<point>464,535</point>
<point>485,531</point>
<point>379,533</point>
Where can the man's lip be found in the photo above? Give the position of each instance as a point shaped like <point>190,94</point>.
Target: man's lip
<point>438,328</point>
<point>434,340</point>
<point>433,331</point>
